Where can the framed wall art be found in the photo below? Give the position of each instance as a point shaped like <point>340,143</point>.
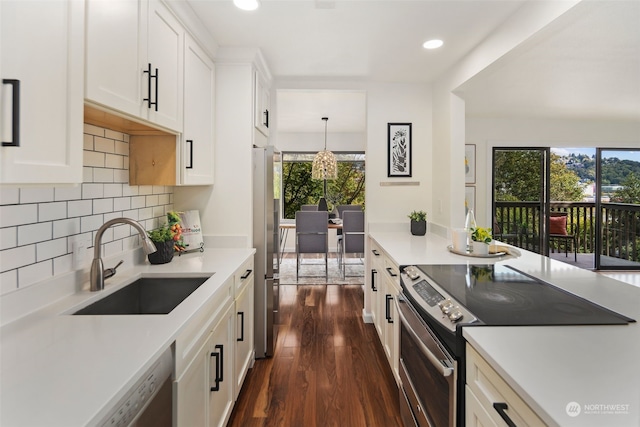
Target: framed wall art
<point>469,164</point>
<point>399,149</point>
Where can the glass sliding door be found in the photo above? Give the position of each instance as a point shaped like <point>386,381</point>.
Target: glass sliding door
<point>520,197</point>
<point>618,209</point>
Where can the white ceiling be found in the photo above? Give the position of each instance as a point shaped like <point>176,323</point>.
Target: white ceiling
<point>586,64</point>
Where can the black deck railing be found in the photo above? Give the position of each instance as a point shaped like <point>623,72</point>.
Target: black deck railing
<point>518,223</point>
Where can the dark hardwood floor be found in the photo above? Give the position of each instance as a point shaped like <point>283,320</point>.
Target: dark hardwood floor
<point>328,369</point>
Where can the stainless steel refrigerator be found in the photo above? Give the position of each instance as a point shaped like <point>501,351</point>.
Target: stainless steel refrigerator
<point>266,240</point>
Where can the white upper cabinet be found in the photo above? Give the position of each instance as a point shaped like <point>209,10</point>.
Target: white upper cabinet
<point>197,139</point>
<point>135,60</point>
<point>262,103</point>
<point>41,65</point>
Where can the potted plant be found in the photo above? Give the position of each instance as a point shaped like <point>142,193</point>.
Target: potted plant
<point>418,223</point>
<point>167,239</point>
<point>480,240</point>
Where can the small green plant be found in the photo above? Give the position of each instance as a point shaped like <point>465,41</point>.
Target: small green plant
<point>170,232</point>
<point>481,234</point>
<point>418,216</point>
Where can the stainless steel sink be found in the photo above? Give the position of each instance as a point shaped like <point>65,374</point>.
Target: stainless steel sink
<point>148,295</point>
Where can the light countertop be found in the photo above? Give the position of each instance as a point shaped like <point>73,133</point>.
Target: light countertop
<point>62,370</point>
<point>551,367</point>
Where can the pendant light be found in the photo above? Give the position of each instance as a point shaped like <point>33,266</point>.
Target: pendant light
<point>325,166</point>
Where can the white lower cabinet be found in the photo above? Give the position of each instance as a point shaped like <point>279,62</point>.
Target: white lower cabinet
<point>490,401</point>
<point>384,290</point>
<point>213,354</point>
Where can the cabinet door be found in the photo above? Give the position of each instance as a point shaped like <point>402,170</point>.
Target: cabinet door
<point>222,354</point>
<point>116,49</point>
<point>261,104</point>
<point>244,336</point>
<point>191,390</point>
<point>165,53</point>
<point>41,47</point>
<point>391,342</point>
<point>197,138</point>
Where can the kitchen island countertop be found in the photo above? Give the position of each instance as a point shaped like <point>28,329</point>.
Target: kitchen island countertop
<point>551,367</point>
<point>64,370</point>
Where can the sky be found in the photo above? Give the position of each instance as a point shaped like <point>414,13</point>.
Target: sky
<point>622,154</point>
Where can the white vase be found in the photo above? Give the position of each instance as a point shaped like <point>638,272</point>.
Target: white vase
<point>480,248</point>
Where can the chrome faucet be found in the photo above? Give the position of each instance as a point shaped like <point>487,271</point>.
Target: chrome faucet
<point>97,274</point>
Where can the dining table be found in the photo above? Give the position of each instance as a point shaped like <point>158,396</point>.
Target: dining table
<point>285,226</point>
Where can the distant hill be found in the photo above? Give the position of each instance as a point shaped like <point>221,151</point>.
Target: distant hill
<point>614,170</point>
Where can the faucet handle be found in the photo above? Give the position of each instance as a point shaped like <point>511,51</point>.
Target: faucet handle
<point>108,272</point>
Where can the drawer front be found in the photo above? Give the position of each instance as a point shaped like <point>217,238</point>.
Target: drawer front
<point>196,332</point>
<point>489,388</point>
<point>243,276</point>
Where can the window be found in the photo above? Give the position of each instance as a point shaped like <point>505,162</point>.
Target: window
<point>299,189</point>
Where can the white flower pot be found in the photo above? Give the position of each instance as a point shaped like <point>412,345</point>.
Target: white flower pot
<point>480,248</point>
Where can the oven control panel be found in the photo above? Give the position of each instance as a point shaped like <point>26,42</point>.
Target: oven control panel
<point>433,300</point>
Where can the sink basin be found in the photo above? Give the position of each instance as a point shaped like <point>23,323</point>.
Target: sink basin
<point>148,295</point>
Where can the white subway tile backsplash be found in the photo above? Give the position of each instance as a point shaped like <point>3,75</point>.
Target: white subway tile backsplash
<point>90,223</point>
<point>88,142</point>
<point>51,211</point>
<point>34,233</point>
<point>93,158</point>
<point>66,227</point>
<point>51,249</point>
<point>9,195</point>
<point>38,225</point>
<point>112,190</point>
<point>36,195</point>
<point>62,264</point>
<point>104,145</point>
<point>18,214</point>
<point>8,237</point>
<point>35,273</point>
<point>122,203</point>
<point>112,134</point>
<point>102,206</point>
<point>94,130</point>
<point>8,281</point>
<point>122,148</point>
<point>79,208</point>
<point>92,191</point>
<point>114,161</point>
<point>68,193</point>
<point>17,257</point>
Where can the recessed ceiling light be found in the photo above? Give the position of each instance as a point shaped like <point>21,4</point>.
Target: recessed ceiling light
<point>246,4</point>
<point>432,44</point>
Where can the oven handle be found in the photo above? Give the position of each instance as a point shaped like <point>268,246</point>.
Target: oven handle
<point>444,370</point>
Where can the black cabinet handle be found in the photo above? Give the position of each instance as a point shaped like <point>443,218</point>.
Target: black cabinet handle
<point>387,308</point>
<point>241,314</point>
<point>190,142</point>
<point>501,408</point>
<point>151,76</point>
<point>246,274</point>
<point>391,272</point>
<point>219,366</point>
<point>376,253</point>
<point>15,113</point>
<point>374,275</point>
<point>266,118</point>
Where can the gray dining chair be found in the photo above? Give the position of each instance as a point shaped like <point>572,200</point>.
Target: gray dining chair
<point>312,237</point>
<point>341,210</point>
<point>352,241</point>
<point>309,207</point>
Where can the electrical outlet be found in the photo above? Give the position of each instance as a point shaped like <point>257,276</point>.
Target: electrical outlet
<point>79,252</point>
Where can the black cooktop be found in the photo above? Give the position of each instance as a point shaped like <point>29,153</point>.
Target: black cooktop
<point>500,295</point>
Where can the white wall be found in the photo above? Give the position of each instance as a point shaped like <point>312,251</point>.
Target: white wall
<point>313,142</point>
<point>489,133</point>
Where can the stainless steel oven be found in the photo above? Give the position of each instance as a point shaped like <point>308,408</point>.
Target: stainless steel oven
<point>439,301</point>
<point>428,373</point>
